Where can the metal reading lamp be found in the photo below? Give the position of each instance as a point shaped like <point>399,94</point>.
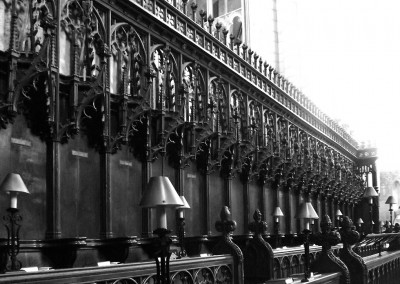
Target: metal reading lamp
<point>13,185</point>
<point>391,200</point>
<point>181,226</point>
<point>307,213</point>
<point>370,193</point>
<point>277,213</point>
<point>339,215</point>
<point>359,223</point>
<point>160,194</point>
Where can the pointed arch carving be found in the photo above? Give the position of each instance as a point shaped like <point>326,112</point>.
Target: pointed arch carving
<point>164,68</point>
<point>217,105</point>
<point>127,61</point>
<point>238,113</point>
<point>82,39</point>
<point>255,117</point>
<point>194,93</point>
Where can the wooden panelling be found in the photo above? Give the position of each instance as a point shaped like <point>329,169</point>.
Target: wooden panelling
<point>238,206</point>
<point>80,189</point>
<point>126,193</point>
<point>217,198</point>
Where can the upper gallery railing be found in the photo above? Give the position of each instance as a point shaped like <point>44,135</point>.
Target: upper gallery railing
<point>212,37</point>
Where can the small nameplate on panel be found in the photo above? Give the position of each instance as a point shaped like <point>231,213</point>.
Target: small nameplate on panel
<point>21,142</point>
<point>79,154</point>
<point>125,163</point>
<point>191,176</point>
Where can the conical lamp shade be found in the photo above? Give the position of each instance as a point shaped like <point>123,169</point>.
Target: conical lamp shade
<point>391,200</point>
<point>370,192</point>
<point>307,211</point>
<point>277,212</point>
<point>339,213</point>
<point>13,183</point>
<point>160,192</point>
<point>360,221</point>
<point>185,203</point>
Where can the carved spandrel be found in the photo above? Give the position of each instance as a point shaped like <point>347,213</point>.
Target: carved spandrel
<point>35,83</point>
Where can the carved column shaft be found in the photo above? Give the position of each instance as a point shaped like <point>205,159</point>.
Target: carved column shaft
<point>53,190</point>
<point>291,210</point>
<point>147,173</point>
<point>206,206</point>
<point>106,199</point>
<point>228,191</point>
<point>263,197</point>
<point>53,175</point>
<point>106,222</point>
<point>246,205</point>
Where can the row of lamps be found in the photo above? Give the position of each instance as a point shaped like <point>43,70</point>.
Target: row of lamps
<point>160,194</point>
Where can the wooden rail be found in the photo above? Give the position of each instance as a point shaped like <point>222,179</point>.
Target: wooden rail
<point>376,243</point>
<point>288,261</point>
<point>384,268</point>
<point>212,269</point>
<point>324,278</point>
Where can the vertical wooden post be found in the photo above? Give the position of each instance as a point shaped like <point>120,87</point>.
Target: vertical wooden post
<point>228,191</point>
<point>106,198</point>
<point>53,190</point>
<point>246,205</point>
<point>53,174</point>
<point>105,162</point>
<point>146,174</point>
<point>206,205</point>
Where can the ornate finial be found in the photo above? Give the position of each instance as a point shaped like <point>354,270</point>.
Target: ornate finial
<point>259,227</point>
<point>349,237</point>
<point>257,215</point>
<point>347,223</point>
<point>327,237</point>
<point>348,233</point>
<point>225,246</point>
<point>226,226</point>
<point>326,223</point>
<point>327,261</point>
